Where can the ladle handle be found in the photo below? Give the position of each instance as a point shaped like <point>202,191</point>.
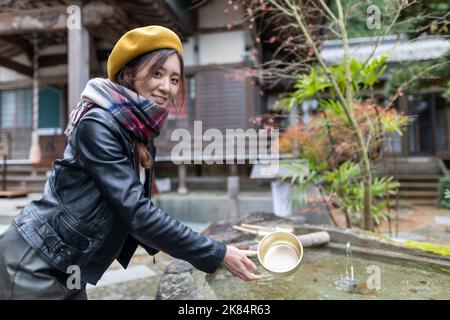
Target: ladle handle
<point>245,230</point>
<point>252,253</point>
<point>251,226</point>
<point>314,239</point>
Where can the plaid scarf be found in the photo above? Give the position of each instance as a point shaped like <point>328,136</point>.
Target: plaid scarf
<point>141,117</point>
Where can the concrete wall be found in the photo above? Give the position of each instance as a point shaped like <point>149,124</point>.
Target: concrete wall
<point>215,48</point>
<point>215,42</point>
<point>222,47</point>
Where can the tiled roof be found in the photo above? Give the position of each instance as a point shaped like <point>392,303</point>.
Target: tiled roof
<point>401,49</point>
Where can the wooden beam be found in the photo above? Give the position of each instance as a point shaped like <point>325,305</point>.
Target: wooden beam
<point>9,51</point>
<point>104,33</point>
<point>17,84</point>
<point>55,18</point>
<point>139,9</point>
<point>52,60</point>
<point>21,43</point>
<point>44,61</point>
<point>18,67</point>
<point>94,15</point>
<point>36,20</point>
<point>179,14</point>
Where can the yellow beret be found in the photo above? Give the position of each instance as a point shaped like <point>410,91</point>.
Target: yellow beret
<point>139,41</point>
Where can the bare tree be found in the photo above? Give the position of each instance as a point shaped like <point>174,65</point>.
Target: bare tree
<point>296,30</point>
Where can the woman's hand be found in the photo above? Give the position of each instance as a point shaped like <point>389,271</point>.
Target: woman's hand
<point>237,262</point>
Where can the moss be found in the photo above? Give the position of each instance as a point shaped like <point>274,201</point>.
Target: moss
<point>439,249</point>
<point>380,236</point>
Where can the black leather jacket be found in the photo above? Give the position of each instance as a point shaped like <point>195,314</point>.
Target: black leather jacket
<point>94,209</point>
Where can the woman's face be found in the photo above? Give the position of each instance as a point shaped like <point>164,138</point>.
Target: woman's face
<point>164,86</point>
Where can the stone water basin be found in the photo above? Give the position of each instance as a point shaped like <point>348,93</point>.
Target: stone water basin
<point>382,269</point>
<point>319,277</point>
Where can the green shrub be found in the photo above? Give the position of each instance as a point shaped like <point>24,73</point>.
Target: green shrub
<point>444,185</point>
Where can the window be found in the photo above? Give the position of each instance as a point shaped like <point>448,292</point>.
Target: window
<point>16,108</point>
<point>50,109</point>
<point>309,107</point>
<point>393,143</point>
<point>428,133</point>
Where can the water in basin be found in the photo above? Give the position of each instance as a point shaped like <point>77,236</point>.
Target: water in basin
<point>323,274</point>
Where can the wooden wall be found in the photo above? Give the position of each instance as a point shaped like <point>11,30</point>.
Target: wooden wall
<point>221,101</point>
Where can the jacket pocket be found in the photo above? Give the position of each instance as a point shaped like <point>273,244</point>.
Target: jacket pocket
<point>70,233</point>
<point>55,244</point>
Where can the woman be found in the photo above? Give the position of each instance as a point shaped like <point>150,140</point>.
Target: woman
<point>94,209</point>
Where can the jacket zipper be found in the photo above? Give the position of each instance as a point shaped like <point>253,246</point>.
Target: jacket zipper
<point>69,224</point>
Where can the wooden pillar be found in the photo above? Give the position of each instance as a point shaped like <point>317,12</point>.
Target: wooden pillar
<point>403,107</point>
<point>78,64</point>
<point>234,170</point>
<point>35,150</point>
<point>233,198</point>
<point>293,117</point>
<point>182,189</point>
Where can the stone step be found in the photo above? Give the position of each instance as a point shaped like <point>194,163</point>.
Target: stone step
<point>25,185</point>
<point>424,202</point>
<point>417,177</point>
<point>40,178</point>
<point>418,185</point>
<point>412,172</point>
<point>407,202</point>
<point>24,170</point>
<point>418,194</point>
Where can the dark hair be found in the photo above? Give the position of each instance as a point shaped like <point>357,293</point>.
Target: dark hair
<point>127,77</point>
